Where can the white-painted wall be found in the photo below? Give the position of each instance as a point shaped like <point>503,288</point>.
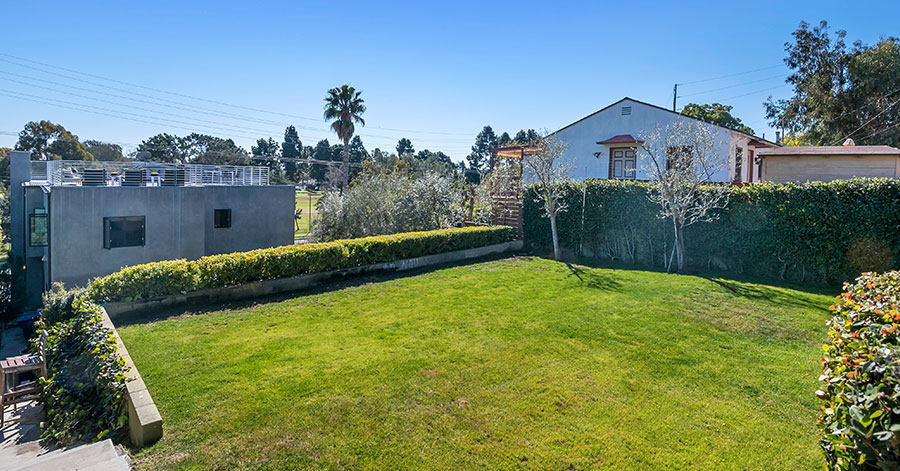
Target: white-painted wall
<point>582,138</point>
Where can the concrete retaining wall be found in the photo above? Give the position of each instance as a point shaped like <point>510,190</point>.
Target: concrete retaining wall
<point>144,421</point>
<point>296,283</point>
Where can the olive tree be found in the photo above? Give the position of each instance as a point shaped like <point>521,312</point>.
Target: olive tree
<point>682,158</point>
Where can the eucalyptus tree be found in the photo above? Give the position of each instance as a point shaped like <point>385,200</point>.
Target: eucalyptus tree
<point>345,107</point>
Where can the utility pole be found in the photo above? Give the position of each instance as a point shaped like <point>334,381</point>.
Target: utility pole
<point>675,98</point>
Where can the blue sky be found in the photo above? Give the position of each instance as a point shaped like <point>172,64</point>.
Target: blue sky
<point>433,73</point>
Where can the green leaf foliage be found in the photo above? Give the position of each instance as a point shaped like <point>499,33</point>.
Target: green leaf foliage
<point>84,396</point>
<point>180,276</point>
<point>822,232</point>
<point>860,417</point>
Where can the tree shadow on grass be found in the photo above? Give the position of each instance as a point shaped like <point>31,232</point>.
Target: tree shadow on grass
<point>730,278</point>
<point>592,278</point>
<point>763,293</point>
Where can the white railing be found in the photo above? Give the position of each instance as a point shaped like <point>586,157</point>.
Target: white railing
<point>71,172</point>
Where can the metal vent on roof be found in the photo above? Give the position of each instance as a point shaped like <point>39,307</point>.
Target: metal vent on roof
<point>626,110</point>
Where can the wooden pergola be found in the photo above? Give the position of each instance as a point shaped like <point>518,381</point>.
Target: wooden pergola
<point>506,193</point>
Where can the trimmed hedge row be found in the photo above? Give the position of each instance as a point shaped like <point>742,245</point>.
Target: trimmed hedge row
<point>84,396</point>
<point>823,232</point>
<point>180,276</point>
<point>860,420</point>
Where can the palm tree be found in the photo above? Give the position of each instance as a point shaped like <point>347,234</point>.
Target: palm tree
<point>345,107</point>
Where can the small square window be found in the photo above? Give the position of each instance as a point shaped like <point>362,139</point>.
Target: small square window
<point>222,218</point>
<point>123,232</point>
<point>38,233</point>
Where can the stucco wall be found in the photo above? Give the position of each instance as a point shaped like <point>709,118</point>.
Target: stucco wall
<point>179,224</point>
<point>785,168</point>
<point>583,136</point>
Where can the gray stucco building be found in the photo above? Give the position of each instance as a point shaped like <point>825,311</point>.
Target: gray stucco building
<point>73,221</point>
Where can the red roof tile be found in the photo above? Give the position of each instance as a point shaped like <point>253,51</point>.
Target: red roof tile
<point>621,139</point>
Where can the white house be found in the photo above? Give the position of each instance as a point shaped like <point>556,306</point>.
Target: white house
<point>604,144</point>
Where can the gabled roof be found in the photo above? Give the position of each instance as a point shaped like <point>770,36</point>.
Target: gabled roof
<point>831,150</point>
<point>767,142</point>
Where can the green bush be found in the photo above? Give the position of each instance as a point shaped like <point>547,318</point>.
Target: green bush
<point>180,276</point>
<point>801,232</point>
<point>84,396</point>
<point>59,304</point>
<point>860,420</point>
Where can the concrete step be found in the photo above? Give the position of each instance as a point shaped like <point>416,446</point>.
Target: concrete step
<point>118,463</point>
<point>77,458</point>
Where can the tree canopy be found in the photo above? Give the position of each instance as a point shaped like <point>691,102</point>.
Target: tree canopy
<point>194,148</point>
<point>839,91</point>
<point>404,146</point>
<point>50,141</point>
<point>344,108</point>
<point>105,151</point>
<point>716,113</point>
<point>485,143</point>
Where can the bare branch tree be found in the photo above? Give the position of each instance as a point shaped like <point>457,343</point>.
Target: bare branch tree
<point>550,171</point>
<point>682,158</point>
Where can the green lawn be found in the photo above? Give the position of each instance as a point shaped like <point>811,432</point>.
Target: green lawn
<point>513,364</point>
<point>305,200</point>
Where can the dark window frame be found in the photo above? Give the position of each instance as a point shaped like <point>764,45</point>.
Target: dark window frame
<point>34,216</point>
<point>738,164</point>
<point>113,240</point>
<point>679,153</point>
<point>218,223</point>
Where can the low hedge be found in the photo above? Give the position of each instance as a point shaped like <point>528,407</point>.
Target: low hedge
<point>84,396</point>
<point>860,420</point>
<point>180,276</point>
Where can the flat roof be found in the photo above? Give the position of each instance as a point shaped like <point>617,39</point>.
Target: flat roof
<point>830,150</point>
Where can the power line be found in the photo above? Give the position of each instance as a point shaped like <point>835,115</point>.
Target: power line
<point>117,116</point>
<point>193,108</point>
<point>726,76</point>
<point>867,122</point>
<point>38,97</point>
<point>879,132</point>
<point>182,95</point>
<point>139,108</point>
<point>733,86</point>
<point>753,92</point>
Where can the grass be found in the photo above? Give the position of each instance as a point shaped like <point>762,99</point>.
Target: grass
<point>306,200</point>
<point>512,364</point>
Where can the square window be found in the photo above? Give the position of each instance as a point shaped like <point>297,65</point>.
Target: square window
<point>123,232</point>
<point>221,218</point>
<point>38,233</point>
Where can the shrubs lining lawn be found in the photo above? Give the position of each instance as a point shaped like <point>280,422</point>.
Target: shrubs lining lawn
<point>515,364</point>
<point>213,271</point>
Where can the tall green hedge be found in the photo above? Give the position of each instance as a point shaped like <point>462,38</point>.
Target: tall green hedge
<point>814,232</point>
<point>180,276</point>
